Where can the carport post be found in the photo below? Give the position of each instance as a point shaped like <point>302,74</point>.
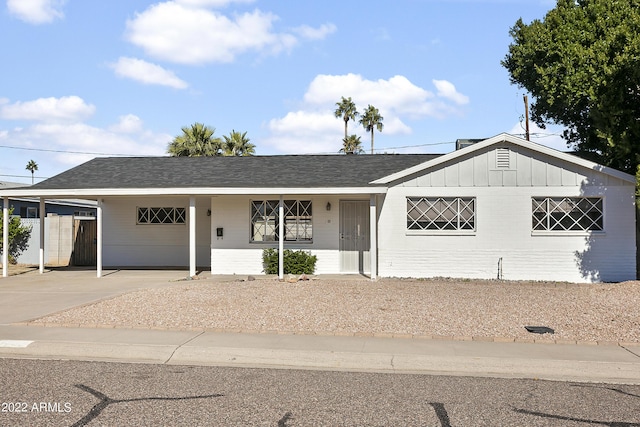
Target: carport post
<point>99,239</point>
<point>373,236</point>
<point>5,236</point>
<point>41,251</point>
<point>281,239</point>
<point>192,236</point>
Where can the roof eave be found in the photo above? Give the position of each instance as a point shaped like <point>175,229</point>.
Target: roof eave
<point>182,191</point>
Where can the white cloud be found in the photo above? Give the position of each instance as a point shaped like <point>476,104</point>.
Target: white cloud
<point>211,3</point>
<point>395,96</point>
<point>188,32</point>
<point>448,91</point>
<point>304,132</point>
<point>129,123</point>
<point>66,108</point>
<point>73,139</point>
<point>319,33</point>
<point>398,99</point>
<point>147,73</point>
<point>36,11</point>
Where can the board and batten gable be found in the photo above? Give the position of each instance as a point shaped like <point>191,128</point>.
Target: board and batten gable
<point>502,179</point>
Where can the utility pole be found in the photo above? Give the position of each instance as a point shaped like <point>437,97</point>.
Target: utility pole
<point>526,115</point>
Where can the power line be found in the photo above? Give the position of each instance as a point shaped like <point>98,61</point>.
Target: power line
<point>24,176</point>
<point>62,151</point>
<point>47,150</point>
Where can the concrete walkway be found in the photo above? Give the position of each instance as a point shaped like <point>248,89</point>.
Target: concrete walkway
<point>33,295</point>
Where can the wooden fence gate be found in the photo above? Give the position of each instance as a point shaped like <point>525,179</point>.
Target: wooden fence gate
<point>84,243</point>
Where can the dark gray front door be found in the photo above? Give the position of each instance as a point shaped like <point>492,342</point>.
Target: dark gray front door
<point>354,236</point>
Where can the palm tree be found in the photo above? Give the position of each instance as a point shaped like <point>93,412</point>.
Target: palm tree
<point>346,111</point>
<point>371,119</point>
<point>32,166</point>
<point>237,144</point>
<point>195,141</point>
<point>351,145</point>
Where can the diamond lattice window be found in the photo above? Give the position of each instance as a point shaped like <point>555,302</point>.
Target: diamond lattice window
<point>441,213</point>
<point>567,214</point>
<point>162,215</point>
<point>297,221</point>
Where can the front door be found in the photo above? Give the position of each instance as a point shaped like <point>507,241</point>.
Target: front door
<point>354,236</point>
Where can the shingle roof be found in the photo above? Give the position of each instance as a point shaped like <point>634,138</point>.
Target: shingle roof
<point>299,171</point>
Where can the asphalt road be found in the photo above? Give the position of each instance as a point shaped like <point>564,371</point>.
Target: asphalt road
<point>72,393</point>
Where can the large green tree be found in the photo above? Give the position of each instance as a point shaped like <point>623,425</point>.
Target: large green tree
<point>18,236</point>
<point>371,120</point>
<point>237,144</point>
<point>346,110</point>
<point>196,140</point>
<point>581,63</point>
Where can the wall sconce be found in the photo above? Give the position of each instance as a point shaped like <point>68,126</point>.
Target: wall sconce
<point>328,206</point>
<point>208,212</point>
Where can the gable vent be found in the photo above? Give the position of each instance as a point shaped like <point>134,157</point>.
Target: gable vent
<point>503,158</point>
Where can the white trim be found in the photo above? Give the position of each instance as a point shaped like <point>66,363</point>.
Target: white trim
<point>504,137</point>
<point>181,191</point>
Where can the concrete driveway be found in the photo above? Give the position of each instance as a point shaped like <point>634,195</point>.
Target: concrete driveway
<point>31,295</point>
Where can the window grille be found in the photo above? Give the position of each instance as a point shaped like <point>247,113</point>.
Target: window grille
<point>298,217</point>
<point>567,214</point>
<point>162,215</point>
<point>441,213</point>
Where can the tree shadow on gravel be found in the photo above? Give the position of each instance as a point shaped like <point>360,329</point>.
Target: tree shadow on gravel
<point>105,401</point>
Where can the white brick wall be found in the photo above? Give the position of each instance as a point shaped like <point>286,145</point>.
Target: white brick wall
<point>504,231</point>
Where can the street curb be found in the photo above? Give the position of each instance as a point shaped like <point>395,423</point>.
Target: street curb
<point>342,334</point>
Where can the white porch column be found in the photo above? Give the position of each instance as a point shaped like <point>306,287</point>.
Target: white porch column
<point>192,236</point>
<point>99,239</point>
<point>373,236</point>
<point>281,239</point>
<point>41,251</point>
<point>5,236</point>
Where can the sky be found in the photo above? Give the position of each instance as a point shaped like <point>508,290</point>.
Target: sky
<point>81,78</point>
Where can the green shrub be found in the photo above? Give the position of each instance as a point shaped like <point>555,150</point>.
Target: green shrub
<point>18,236</point>
<point>295,262</point>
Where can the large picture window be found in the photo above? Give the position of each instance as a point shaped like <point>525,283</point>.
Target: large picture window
<point>161,215</point>
<point>297,221</point>
<point>441,213</point>
<point>567,214</point>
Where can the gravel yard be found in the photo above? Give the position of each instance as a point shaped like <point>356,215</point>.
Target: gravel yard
<point>437,307</point>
